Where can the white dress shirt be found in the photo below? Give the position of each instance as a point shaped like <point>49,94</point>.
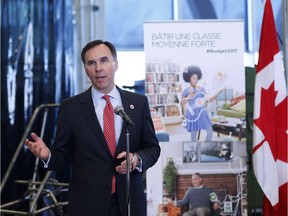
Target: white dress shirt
<point>99,105</point>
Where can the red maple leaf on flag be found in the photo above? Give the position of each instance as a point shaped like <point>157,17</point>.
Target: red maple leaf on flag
<point>266,121</point>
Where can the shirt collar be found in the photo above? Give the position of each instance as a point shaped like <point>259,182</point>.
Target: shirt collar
<point>114,93</point>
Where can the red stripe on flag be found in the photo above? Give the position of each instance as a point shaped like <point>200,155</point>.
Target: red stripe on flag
<point>282,136</point>
<point>267,50</point>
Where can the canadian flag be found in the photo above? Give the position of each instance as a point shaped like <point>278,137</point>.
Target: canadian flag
<point>270,121</point>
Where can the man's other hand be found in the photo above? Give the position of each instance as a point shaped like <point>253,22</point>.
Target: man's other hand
<point>134,162</point>
<point>37,147</point>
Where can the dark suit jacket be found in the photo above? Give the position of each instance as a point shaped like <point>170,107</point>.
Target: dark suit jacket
<point>80,142</point>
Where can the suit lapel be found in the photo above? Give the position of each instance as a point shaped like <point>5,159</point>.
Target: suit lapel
<point>88,111</point>
<point>127,103</point>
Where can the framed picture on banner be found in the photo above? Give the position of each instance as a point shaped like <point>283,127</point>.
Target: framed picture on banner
<point>216,151</point>
<point>190,152</point>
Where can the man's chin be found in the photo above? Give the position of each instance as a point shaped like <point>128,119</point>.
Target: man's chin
<point>102,87</point>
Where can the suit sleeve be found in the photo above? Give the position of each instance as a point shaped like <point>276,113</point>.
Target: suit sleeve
<point>149,146</point>
<point>60,151</point>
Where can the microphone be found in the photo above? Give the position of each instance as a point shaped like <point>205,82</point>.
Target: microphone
<point>118,110</point>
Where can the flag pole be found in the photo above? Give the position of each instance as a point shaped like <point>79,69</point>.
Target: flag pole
<point>285,37</point>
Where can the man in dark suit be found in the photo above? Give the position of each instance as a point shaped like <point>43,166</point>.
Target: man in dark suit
<point>80,141</point>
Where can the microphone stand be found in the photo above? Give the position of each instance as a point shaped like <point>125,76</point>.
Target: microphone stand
<point>118,110</point>
<point>127,135</point>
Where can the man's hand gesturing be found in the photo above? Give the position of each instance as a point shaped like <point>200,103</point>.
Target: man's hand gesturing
<point>38,147</point>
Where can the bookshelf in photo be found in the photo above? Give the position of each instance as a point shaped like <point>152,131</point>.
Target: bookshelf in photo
<point>163,90</point>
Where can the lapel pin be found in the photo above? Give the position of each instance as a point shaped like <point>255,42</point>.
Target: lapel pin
<point>132,106</point>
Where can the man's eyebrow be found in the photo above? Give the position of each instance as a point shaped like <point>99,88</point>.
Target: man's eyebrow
<point>101,58</point>
<point>104,58</point>
<point>90,61</point>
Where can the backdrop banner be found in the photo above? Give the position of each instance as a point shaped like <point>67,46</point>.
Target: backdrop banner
<point>195,84</point>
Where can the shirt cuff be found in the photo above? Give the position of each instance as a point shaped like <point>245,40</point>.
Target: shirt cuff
<point>139,167</point>
<point>46,163</point>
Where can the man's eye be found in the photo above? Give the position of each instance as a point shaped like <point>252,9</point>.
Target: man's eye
<point>90,63</point>
<point>104,61</point>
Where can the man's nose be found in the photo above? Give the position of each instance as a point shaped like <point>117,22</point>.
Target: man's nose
<point>98,67</point>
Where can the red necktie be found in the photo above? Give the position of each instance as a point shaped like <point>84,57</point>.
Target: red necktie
<point>109,132</point>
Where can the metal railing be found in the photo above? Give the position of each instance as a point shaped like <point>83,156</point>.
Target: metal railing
<point>35,189</point>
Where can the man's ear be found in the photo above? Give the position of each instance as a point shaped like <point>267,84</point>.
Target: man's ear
<point>115,65</point>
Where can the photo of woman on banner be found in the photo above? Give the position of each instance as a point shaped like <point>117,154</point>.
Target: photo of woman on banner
<point>195,102</point>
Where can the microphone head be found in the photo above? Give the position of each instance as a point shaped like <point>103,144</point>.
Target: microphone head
<point>118,110</point>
